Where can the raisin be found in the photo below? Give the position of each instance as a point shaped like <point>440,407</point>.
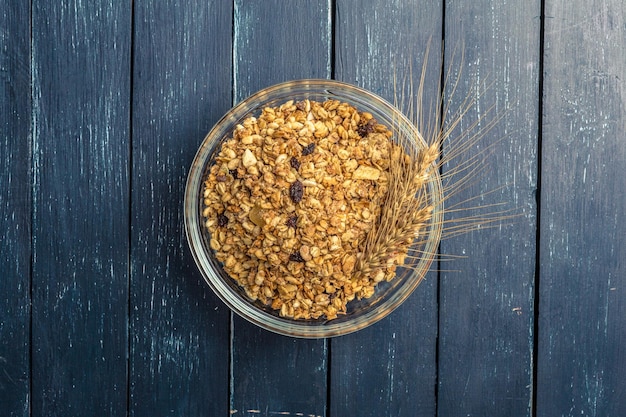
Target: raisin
<point>295,164</point>
<point>366,128</point>
<point>301,105</point>
<point>296,257</point>
<point>308,149</point>
<point>221,178</point>
<point>222,220</point>
<point>233,172</point>
<point>296,191</point>
<point>292,221</point>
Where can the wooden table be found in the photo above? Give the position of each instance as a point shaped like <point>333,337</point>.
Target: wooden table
<point>103,311</point>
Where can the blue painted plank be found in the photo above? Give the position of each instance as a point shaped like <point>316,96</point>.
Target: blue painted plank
<point>81,90</point>
<point>487,308</point>
<point>277,41</point>
<point>582,314</point>
<point>179,344</point>
<point>389,368</point>
<point>15,208</point>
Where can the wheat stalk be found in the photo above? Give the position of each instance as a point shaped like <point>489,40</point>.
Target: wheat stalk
<point>406,212</point>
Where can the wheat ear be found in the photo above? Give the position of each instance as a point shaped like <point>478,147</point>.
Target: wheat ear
<point>405,210</point>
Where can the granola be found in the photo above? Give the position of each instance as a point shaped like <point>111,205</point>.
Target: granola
<point>289,202</point>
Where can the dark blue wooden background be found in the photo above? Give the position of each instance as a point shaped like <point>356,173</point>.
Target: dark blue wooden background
<point>103,312</point>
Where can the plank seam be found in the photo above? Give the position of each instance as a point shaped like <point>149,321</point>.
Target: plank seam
<point>333,15</point>
<point>130,206</point>
<point>536,295</point>
<point>439,266</point>
<point>233,63</point>
<point>231,320</point>
<point>32,216</point>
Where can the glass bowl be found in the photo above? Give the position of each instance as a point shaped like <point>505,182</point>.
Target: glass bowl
<point>360,313</point>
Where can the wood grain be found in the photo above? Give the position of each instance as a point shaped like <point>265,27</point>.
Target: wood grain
<point>81,91</point>
<point>390,367</point>
<point>103,312</point>
<point>487,307</point>
<point>15,208</point>
<point>179,330</point>
<point>582,326</point>
<point>277,41</point>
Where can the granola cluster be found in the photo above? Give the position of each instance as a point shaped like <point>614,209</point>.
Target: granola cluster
<point>290,200</point>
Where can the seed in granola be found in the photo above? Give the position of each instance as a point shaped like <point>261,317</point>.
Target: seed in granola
<point>308,150</point>
<point>296,257</point>
<point>295,164</point>
<point>296,191</point>
<point>222,220</point>
<point>256,216</point>
<point>292,221</point>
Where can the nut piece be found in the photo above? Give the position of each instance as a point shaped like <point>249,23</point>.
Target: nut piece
<point>366,173</point>
<point>248,159</point>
